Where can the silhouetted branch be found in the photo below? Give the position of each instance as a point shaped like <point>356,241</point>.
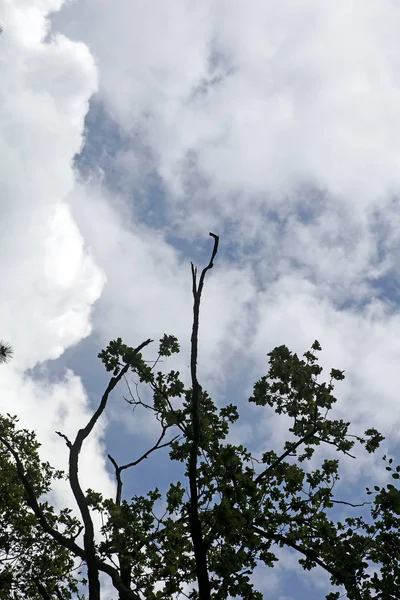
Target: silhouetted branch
<point>118,468</point>
<point>65,438</point>
<point>200,550</point>
<point>157,446</point>
<point>75,448</point>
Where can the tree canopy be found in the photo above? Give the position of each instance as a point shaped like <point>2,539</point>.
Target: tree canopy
<point>230,511</point>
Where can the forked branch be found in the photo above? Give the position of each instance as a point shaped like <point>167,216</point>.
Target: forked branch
<point>199,546</point>
<point>74,450</point>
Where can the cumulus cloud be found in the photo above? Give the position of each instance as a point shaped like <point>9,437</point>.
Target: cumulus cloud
<point>265,96</point>
<point>264,123</point>
<point>50,279</point>
<point>247,112</point>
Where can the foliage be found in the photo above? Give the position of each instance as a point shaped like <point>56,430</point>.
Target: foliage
<point>6,350</point>
<point>30,559</point>
<point>230,512</point>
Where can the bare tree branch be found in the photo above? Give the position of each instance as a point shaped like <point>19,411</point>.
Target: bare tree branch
<point>75,448</point>
<point>200,549</point>
<point>118,468</point>
<point>124,561</point>
<point>157,446</point>
<point>88,536</point>
<point>119,480</point>
<point>67,441</point>
<point>349,503</point>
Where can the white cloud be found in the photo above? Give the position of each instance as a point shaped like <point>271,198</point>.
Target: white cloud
<point>50,280</point>
<point>302,91</point>
<point>243,107</point>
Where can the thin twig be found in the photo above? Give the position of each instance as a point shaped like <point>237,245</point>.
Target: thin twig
<point>349,503</point>
<point>146,454</point>
<point>119,468</point>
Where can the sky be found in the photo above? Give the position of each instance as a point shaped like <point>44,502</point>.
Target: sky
<point>128,131</point>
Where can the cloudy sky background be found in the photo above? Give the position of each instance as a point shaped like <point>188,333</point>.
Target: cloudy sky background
<point>128,131</point>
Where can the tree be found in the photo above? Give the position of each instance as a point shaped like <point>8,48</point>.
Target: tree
<point>235,508</point>
<point>31,561</point>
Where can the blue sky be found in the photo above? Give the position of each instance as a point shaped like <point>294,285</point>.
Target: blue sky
<point>127,133</point>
